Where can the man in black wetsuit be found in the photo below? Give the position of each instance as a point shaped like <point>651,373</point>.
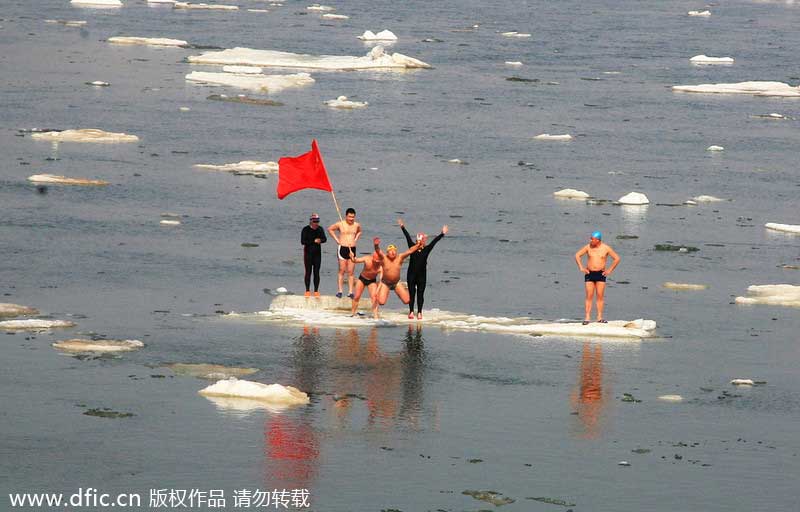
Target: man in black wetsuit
<point>417,276</point>
<point>312,237</point>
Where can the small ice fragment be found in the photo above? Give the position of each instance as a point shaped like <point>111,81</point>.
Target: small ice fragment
<point>775,115</point>
<point>623,463</point>
<point>78,345</point>
<point>715,148</point>
<point>281,290</point>
<point>210,7</point>
<point>98,83</point>
<point>63,180</point>
<point>571,193</point>
<point>699,13</point>
<point>99,3</point>
<point>383,35</point>
<point>559,138</point>
<point>321,8</point>
<point>34,324</point>
<point>671,398</point>
<point>705,59</point>
<point>85,135</point>
<point>184,109</point>
<point>634,198</point>
<point>684,286</point>
<point>149,41</point>
<point>514,33</point>
<point>343,102</point>
<point>257,10</point>
<point>513,63</point>
<point>743,382</point>
<point>11,310</point>
<point>786,228</point>
<point>456,161</point>
<point>68,23</point>
<point>243,167</point>
<point>707,199</point>
<point>168,222</point>
<point>335,16</point>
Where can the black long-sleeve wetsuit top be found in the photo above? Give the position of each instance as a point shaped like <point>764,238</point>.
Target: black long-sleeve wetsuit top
<point>418,261</point>
<point>307,237</point>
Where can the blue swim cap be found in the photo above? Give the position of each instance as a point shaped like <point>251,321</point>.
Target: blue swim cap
<point>598,235</point>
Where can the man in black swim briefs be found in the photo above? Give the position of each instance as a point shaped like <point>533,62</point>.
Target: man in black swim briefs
<point>346,233</point>
<point>595,273</point>
<point>368,278</point>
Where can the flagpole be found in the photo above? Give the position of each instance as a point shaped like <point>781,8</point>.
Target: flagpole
<point>336,204</point>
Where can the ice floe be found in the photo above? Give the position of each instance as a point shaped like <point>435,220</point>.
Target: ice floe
<point>558,138</point>
<point>343,102</point>
<point>773,115</point>
<point>11,310</point>
<point>671,398</point>
<point>243,70</point>
<point>705,59</point>
<point>383,35</point>
<point>97,3</point>
<point>63,180</point>
<point>377,58</point>
<point>149,41</point>
<point>210,7</point>
<point>210,371</point>
<point>98,83</point>
<point>169,222</point>
<point>34,324</point>
<point>261,83</point>
<point>161,1</point>
<point>685,286</point>
<point>786,228</point>
<point>513,63</point>
<point>756,88</point>
<point>772,295</point>
<point>78,345</point>
<point>68,23</point>
<point>746,382</point>
<point>456,161</point>
<point>320,8</point>
<point>699,13</point>
<point>634,198</point>
<point>243,167</point>
<point>707,199</point>
<point>330,16</point>
<point>85,135</point>
<point>514,33</point>
<point>571,193</point>
<point>275,394</point>
<point>715,148</point>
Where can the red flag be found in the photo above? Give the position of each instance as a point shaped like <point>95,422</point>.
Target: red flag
<point>304,171</point>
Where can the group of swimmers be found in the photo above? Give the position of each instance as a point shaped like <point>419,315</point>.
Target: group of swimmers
<point>380,273</point>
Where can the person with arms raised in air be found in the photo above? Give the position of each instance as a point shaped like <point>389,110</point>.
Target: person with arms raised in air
<point>369,277</point>
<point>312,237</point>
<point>417,275</point>
<point>392,265</point>
<point>349,233</point>
<point>595,273</point>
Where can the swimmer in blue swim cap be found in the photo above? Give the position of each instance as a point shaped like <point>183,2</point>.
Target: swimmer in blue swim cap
<point>595,273</point>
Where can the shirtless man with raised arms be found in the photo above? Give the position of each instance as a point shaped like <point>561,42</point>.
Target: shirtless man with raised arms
<point>595,272</point>
<point>392,264</point>
<point>349,233</point>
<point>373,265</point>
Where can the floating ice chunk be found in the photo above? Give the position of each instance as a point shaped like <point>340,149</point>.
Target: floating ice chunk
<point>184,109</point>
<point>756,88</point>
<point>98,83</point>
<point>245,166</point>
<point>613,329</point>
<point>281,290</point>
<point>772,294</point>
<point>272,393</point>
<point>243,70</point>
<point>257,10</point>
<point>210,371</point>
<point>775,115</point>
<point>786,228</point>
<point>707,199</point>
<point>634,198</point>
<point>211,7</point>
<point>571,193</point>
<point>85,135</point>
<point>320,8</point>
<point>261,83</point>
<point>68,23</point>
<point>343,102</point>
<point>743,382</point>
<point>98,3</point>
<point>699,13</point>
<point>169,222</point>
<point>11,310</point>
<point>671,398</point>
<point>514,33</point>
<point>705,59</point>
<point>513,63</point>
<point>715,148</point>
<point>63,180</point>
<point>685,286</point>
<point>33,324</point>
<point>456,161</point>
<point>149,41</point>
<point>559,138</point>
<point>78,345</point>
<point>375,59</point>
<point>383,35</point>
<point>330,16</point>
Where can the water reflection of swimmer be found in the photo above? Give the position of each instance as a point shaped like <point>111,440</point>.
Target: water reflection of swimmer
<point>413,375</point>
<point>291,446</point>
<point>588,397</point>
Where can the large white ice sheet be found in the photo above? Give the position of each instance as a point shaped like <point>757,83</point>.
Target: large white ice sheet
<point>149,41</point>
<point>63,180</point>
<point>375,59</point>
<point>253,82</point>
<point>786,228</point>
<point>85,135</point>
<point>772,294</point>
<point>755,88</point>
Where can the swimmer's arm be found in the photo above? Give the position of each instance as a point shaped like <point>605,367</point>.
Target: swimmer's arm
<point>437,238</point>
<point>405,232</point>
<point>410,251</point>
<point>358,234</point>
<point>332,230</point>
<point>322,238</point>
<point>616,258</point>
<point>578,256</point>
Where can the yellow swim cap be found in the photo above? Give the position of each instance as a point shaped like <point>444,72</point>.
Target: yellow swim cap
<point>391,246</point>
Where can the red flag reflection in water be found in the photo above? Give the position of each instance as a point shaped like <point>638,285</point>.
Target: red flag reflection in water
<point>292,451</point>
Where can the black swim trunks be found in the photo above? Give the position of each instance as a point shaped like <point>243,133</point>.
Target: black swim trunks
<point>391,286</point>
<point>344,252</point>
<point>366,281</point>
<point>594,276</point>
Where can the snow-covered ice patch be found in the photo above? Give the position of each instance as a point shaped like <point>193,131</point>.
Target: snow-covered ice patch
<point>755,88</point>
<point>273,393</point>
<point>34,324</point>
<point>78,345</point>
<point>634,198</point>
<point>699,13</point>
<point>786,228</point>
<point>383,35</point>
<point>149,41</point>
<point>772,295</point>
<point>571,193</point>
<point>261,83</point>
<point>85,135</point>
<point>558,138</point>
<point>63,180</point>
<point>715,148</point>
<point>705,59</point>
<point>685,286</point>
<point>343,102</point>
<point>245,166</point>
<point>11,310</point>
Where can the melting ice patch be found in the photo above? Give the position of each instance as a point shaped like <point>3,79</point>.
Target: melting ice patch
<point>210,7</point>
<point>514,33</point>
<point>97,3</point>
<point>383,35</point>
<point>377,58</point>
<point>699,13</point>
<point>210,371</point>
<point>707,199</point>
<point>85,135</point>
<point>772,295</point>
<point>149,41</point>
<point>684,286</point>
<point>634,198</point>
<point>330,16</point>
<point>230,393</point>
<point>705,59</point>
<point>786,228</point>
<point>243,167</point>
<point>344,103</point>
<point>558,138</point>
<point>11,310</point>
<point>571,193</point>
<point>63,180</point>
<point>34,324</point>
<point>755,88</point>
<point>261,83</point>
<point>320,8</point>
<point>715,148</point>
<point>78,345</point>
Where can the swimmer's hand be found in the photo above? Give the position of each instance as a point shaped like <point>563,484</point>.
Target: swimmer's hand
<point>376,241</point>
<point>401,223</point>
<point>584,270</point>
<point>445,229</point>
